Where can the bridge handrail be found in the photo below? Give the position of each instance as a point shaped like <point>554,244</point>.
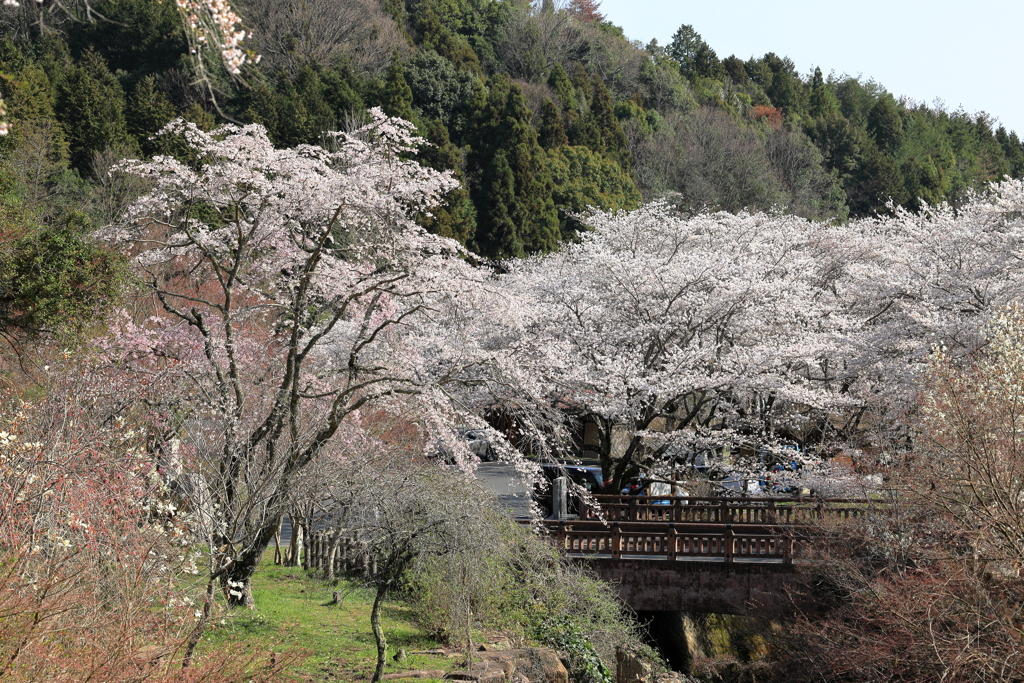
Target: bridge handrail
<point>672,541</point>
<point>689,509</point>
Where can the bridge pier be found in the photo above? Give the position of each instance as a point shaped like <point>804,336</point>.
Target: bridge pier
<point>752,589</point>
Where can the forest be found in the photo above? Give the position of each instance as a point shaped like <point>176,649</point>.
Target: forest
<point>277,282</point>
<point>539,111</point>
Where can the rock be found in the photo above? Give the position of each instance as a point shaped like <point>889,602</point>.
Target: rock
<point>670,677</point>
<point>438,674</point>
<point>460,676</point>
<point>151,654</point>
<point>496,646</point>
<point>629,668</point>
<point>400,656</point>
<point>489,672</point>
<point>536,664</point>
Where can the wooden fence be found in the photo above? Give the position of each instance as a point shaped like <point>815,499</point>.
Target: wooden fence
<point>336,553</point>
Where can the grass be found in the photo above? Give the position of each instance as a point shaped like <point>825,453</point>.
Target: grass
<point>294,617</point>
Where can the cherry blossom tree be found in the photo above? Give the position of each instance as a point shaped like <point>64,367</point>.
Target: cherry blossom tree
<point>292,290</point>
<point>760,330</point>
<point>720,329</point>
<point>935,576</point>
<point>920,281</point>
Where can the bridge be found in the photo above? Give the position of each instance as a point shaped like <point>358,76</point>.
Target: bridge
<point>726,555</point>
<point>670,554</point>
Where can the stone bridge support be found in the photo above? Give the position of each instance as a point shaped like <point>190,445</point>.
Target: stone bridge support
<point>754,589</point>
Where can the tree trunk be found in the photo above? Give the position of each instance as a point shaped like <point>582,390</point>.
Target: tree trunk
<point>197,632</point>
<point>378,634</point>
<point>331,554</point>
<point>237,580</point>
<point>278,557</point>
<point>297,542</point>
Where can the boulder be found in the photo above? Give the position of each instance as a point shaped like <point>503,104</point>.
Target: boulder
<point>536,664</point>
<point>630,668</point>
<point>431,673</point>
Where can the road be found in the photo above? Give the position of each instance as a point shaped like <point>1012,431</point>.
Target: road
<point>502,478</point>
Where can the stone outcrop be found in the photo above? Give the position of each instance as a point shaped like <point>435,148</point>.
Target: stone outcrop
<point>525,665</point>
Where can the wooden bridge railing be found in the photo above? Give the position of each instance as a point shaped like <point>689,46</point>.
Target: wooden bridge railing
<point>696,510</point>
<point>672,541</point>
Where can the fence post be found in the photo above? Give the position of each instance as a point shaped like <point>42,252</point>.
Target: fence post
<point>616,541</point>
<point>561,536</point>
<point>332,552</point>
<point>787,546</point>
<point>725,517</point>
<point>729,543</point>
<point>673,540</point>
<point>632,512</point>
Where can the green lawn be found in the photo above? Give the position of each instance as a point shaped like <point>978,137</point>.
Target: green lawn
<point>330,643</point>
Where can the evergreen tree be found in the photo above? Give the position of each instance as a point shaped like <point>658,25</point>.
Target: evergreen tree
<point>696,59</point>
<point>734,69</point>
<point>580,179</point>
<point>456,217</point>
<point>823,102</point>
<point>313,115</point>
<point>516,214</point>
<point>785,88</point>
<point>563,87</point>
<point>552,130</point>
<point>90,106</point>
<point>439,91</point>
<point>885,124</point>
<point>148,111</point>
<point>343,90</point>
<point>52,277</point>
<point>875,181</point>
<point>197,114</point>
<point>394,95</point>
<point>610,140</point>
<point>1013,149</point>
<point>498,233</point>
<point>138,36</point>
<point>434,35</point>
<point>259,105</point>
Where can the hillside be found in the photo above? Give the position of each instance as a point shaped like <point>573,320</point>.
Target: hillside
<point>540,111</point>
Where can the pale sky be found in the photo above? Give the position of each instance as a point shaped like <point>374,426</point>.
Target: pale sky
<point>968,54</point>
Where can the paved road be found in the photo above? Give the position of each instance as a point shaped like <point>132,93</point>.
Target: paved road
<point>513,493</point>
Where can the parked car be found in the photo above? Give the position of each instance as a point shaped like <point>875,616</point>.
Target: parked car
<point>646,487</point>
<point>479,444</point>
<point>476,441</point>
